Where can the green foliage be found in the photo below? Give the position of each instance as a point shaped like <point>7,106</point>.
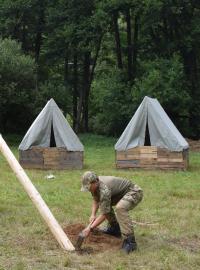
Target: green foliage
<point>55,89</point>
<point>111,103</point>
<point>164,79</point>
<point>16,85</point>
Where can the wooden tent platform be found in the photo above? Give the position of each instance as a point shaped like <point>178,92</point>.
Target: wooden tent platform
<point>152,157</point>
<point>50,158</point>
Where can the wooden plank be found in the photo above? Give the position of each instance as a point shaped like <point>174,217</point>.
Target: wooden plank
<point>134,150</point>
<point>162,159</point>
<point>30,153</point>
<point>31,162</point>
<point>51,158</point>
<point>120,166</point>
<point>148,162</point>
<point>65,160</point>
<point>127,156</point>
<point>175,159</point>
<point>127,164</point>
<point>148,149</point>
<point>31,158</point>
<point>151,158</point>
<point>148,156</point>
<point>171,164</point>
<point>32,166</point>
<point>175,155</point>
<point>162,152</point>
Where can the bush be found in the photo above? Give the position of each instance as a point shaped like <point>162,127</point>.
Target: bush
<point>54,88</point>
<point>164,79</point>
<point>16,87</point>
<point>111,104</point>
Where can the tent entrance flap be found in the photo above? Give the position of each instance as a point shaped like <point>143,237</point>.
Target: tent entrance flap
<point>147,141</point>
<point>52,137</point>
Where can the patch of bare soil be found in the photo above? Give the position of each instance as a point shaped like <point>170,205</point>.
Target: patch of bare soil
<point>191,244</point>
<point>96,242</point>
<point>194,145</point>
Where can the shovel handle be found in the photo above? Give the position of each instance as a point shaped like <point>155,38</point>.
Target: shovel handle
<point>89,225</point>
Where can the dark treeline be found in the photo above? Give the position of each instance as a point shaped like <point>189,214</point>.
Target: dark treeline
<point>98,59</point>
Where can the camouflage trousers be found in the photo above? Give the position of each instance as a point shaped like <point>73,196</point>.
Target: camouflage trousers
<point>121,213</point>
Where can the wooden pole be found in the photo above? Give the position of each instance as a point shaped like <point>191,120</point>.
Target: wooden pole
<point>36,198</point>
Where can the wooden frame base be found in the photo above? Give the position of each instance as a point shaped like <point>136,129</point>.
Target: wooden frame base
<point>152,157</point>
<point>50,158</point>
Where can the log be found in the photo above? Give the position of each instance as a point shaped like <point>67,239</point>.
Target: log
<point>36,198</point>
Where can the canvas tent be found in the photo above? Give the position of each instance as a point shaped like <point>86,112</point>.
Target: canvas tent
<point>165,141</point>
<point>50,142</point>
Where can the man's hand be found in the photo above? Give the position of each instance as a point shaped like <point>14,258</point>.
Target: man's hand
<point>86,232</point>
<point>92,218</point>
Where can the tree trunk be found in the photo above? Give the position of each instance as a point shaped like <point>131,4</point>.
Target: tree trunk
<point>86,90</point>
<point>191,71</point>
<point>24,34</point>
<point>66,69</point>
<point>66,72</point>
<point>95,58</point>
<point>38,38</point>
<point>75,94</point>
<point>135,47</point>
<point>39,30</point>
<point>129,43</point>
<point>117,39</point>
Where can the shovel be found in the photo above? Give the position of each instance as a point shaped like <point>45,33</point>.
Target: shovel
<point>81,238</point>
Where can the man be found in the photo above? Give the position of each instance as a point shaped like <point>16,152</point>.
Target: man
<point>108,191</point>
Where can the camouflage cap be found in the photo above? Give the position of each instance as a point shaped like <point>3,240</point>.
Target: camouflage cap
<point>87,178</point>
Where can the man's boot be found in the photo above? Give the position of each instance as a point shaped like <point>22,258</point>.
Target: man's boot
<point>129,244</point>
<point>113,229</point>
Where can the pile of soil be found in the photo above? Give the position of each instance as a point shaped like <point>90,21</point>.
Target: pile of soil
<point>194,145</point>
<point>96,242</point>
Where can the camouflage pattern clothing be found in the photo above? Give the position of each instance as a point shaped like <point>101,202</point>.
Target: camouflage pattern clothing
<point>122,193</point>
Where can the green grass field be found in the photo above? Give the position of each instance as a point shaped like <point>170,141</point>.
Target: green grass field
<point>171,200</point>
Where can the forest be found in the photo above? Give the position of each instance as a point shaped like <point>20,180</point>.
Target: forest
<point>98,59</point>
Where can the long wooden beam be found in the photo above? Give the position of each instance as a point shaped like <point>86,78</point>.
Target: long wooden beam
<point>36,198</point>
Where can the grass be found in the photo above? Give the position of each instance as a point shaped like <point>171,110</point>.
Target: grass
<point>171,199</point>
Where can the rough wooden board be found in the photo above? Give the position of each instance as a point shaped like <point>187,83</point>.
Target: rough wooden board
<point>176,160</point>
<point>148,156</point>
<point>148,162</point>
<point>158,158</point>
<point>135,150</point>
<point>162,159</point>
<point>34,161</point>
<point>32,166</point>
<point>176,155</point>
<point>127,156</point>
<point>148,149</point>
<point>125,163</point>
<point>51,158</point>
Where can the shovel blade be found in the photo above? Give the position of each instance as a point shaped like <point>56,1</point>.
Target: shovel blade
<point>79,241</point>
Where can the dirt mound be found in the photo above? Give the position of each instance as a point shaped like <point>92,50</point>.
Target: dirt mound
<point>95,243</point>
<point>194,145</point>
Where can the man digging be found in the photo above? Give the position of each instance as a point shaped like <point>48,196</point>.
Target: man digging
<point>108,191</point>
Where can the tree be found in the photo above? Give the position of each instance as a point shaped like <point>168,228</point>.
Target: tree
<point>16,87</point>
<point>76,37</point>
